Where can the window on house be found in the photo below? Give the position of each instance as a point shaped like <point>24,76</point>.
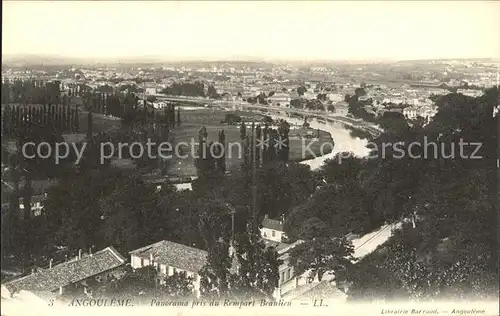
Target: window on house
<point>175,270</point>
<point>273,233</point>
<point>283,276</point>
<point>288,274</point>
<point>142,262</point>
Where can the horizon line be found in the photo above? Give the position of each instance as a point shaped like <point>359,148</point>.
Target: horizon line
<point>166,59</point>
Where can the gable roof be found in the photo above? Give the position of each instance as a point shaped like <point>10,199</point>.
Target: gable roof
<point>272,224</point>
<point>174,255</point>
<point>275,244</point>
<point>68,272</point>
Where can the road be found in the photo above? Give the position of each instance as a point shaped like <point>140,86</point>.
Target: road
<point>368,243</point>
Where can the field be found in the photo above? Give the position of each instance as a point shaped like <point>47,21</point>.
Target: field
<point>193,119</point>
<point>211,118</point>
<point>100,122</point>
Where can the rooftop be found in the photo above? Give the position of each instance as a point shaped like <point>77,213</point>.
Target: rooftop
<point>272,224</point>
<point>277,245</point>
<point>341,104</point>
<point>68,272</point>
<point>174,255</point>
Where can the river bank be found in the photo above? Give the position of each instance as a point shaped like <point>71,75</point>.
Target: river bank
<point>342,139</point>
<point>337,132</point>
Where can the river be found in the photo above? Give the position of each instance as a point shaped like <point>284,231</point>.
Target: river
<point>340,134</point>
<point>341,137</point>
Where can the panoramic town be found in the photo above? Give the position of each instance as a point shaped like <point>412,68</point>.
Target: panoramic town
<point>248,183</point>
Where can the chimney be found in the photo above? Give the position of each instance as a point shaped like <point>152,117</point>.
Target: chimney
<point>80,254</point>
<point>151,258</point>
<point>50,263</point>
<point>32,270</point>
<point>90,251</point>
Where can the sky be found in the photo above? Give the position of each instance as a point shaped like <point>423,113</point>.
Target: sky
<point>296,30</point>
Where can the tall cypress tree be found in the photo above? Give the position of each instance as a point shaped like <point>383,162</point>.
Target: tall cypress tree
<point>61,118</point>
<point>221,162</point>
<point>179,117</point>
<point>30,117</point>
<point>172,114</point>
<point>39,121</point>
<point>77,120</point>
<point>69,121</point>
<point>6,121</point>
<point>106,104</point>
<point>243,131</point>
<point>258,149</point>
<point>50,116</point>
<point>56,118</point>
<point>89,126</point>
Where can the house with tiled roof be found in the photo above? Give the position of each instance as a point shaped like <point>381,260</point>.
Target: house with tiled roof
<point>73,275</point>
<point>169,258</point>
<point>272,229</point>
<point>273,235</point>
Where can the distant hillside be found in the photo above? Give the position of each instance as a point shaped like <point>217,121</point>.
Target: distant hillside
<point>447,59</point>
<point>47,60</point>
<point>36,60</point>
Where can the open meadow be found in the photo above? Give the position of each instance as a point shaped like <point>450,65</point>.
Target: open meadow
<point>212,119</point>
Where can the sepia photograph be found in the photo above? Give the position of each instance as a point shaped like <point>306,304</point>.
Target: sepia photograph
<point>252,157</point>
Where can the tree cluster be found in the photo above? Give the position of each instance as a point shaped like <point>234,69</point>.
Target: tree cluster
<point>446,201</point>
<point>21,120</point>
<point>194,89</point>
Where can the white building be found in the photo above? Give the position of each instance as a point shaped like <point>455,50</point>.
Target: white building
<point>273,234</point>
<point>280,99</point>
<point>363,98</point>
<point>335,97</point>
<point>36,204</point>
<point>288,279</point>
<point>151,90</point>
<point>341,108</point>
<point>394,99</point>
<point>159,104</point>
<point>169,258</point>
<point>310,95</point>
<point>410,112</point>
<point>424,112</point>
<point>272,230</point>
